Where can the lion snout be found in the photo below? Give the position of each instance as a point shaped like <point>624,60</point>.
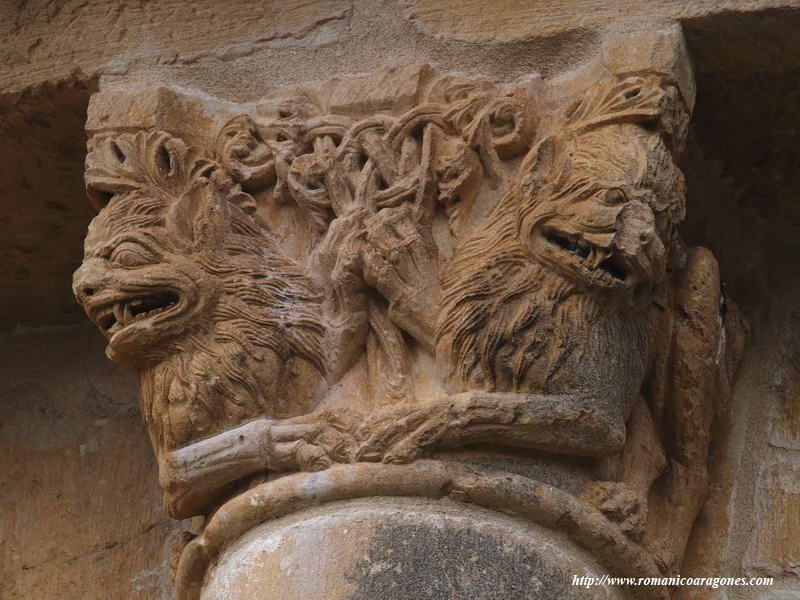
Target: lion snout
<point>90,280</point>
<point>636,238</point>
<point>635,229</point>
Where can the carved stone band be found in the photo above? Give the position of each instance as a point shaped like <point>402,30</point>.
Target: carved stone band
<point>500,491</point>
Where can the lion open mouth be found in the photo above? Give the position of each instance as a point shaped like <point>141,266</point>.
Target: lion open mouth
<point>587,259</point>
<point>116,317</point>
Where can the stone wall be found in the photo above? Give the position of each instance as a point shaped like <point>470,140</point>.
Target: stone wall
<point>82,514</point>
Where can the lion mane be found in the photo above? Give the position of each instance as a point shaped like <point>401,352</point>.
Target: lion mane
<point>260,342</point>
<point>508,321</point>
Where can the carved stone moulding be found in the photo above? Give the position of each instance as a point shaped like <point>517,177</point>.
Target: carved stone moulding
<point>419,285</point>
<point>541,514</point>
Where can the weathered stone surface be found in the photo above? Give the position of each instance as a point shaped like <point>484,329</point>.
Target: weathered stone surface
<point>44,211</point>
<point>775,548</point>
<point>743,503</point>
<point>749,146</point>
<point>50,40</point>
<point>390,89</point>
<point>398,549</point>
<point>81,513</point>
<point>159,108</point>
<point>511,20</point>
<point>785,422</point>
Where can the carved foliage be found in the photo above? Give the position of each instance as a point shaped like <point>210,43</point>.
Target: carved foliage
<point>332,165</point>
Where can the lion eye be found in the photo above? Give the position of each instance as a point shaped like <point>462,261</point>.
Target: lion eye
<point>613,197</point>
<point>129,254</point>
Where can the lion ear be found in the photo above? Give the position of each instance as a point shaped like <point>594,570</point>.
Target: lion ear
<point>200,217</point>
<point>647,100</point>
<point>537,164</point>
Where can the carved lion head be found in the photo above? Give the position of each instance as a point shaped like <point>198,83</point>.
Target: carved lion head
<point>599,201</point>
<point>188,289</point>
<point>553,294</point>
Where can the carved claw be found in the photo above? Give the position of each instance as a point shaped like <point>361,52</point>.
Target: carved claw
<point>179,542</point>
<point>309,447</point>
<point>619,504</point>
<point>400,261</point>
<point>311,458</point>
<point>339,248</point>
<point>403,435</point>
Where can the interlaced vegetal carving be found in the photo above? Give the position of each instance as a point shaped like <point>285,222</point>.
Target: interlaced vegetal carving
<point>479,267</point>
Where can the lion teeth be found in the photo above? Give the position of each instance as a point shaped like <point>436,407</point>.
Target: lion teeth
<point>126,312</point>
<point>596,257</point>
